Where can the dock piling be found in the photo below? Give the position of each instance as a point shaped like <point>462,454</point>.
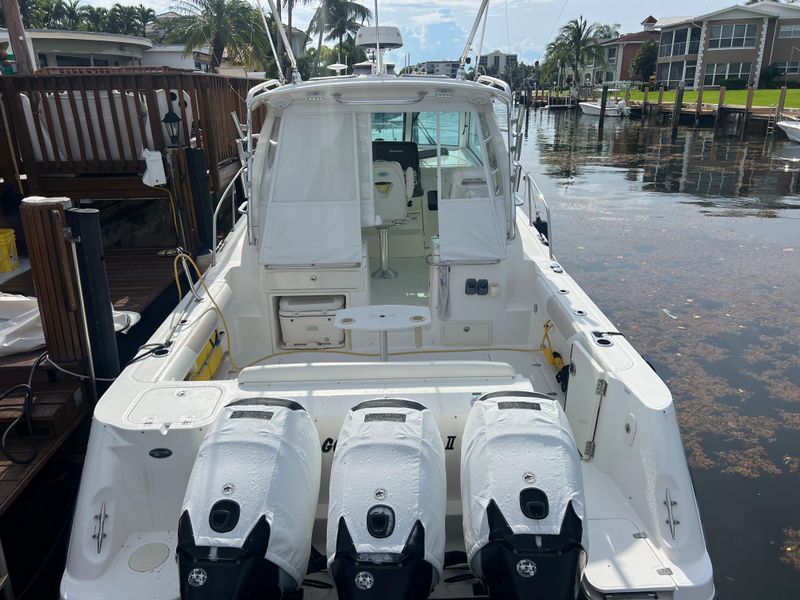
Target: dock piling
<point>748,109</point>
<point>676,109</point>
<point>85,226</point>
<point>603,103</point>
<point>720,106</point>
<point>698,106</point>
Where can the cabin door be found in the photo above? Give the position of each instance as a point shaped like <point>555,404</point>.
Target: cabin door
<point>587,386</point>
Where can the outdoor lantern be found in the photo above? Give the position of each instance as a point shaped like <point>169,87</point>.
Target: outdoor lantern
<point>172,122</point>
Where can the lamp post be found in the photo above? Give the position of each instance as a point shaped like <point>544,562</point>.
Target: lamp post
<point>172,122</point>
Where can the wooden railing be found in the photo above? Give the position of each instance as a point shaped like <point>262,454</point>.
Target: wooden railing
<point>99,123</point>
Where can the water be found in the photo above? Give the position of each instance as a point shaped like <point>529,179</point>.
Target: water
<point>693,249</point>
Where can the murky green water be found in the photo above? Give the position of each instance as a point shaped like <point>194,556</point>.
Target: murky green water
<point>693,249</point>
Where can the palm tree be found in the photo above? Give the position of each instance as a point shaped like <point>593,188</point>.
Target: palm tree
<point>94,18</point>
<point>290,4</point>
<point>221,24</point>
<point>580,45</point>
<point>144,16</point>
<point>70,14</point>
<point>122,19</point>
<point>338,18</point>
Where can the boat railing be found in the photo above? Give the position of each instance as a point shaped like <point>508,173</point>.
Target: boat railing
<point>532,198</point>
<point>241,209</point>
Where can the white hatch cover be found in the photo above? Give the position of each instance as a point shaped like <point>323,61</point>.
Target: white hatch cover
<point>298,306</point>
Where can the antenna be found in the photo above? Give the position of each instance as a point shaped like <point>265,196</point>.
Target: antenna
<point>295,73</point>
<point>378,41</point>
<point>468,47</point>
<point>281,78</point>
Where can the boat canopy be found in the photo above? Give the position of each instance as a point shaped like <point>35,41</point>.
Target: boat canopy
<point>315,177</point>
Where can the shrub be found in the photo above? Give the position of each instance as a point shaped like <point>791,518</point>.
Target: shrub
<point>734,84</point>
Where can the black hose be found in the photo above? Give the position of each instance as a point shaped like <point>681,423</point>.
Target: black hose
<point>26,415</point>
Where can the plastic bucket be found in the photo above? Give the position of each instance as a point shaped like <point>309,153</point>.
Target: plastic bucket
<point>9,259</point>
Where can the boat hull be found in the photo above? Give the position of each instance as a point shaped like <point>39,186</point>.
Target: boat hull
<point>791,129</point>
<point>594,109</point>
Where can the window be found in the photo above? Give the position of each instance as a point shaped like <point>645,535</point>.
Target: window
<point>387,127</point>
<point>423,129</point>
<point>717,73</point>
<point>495,171</point>
<point>474,140</point>
<point>42,60</point>
<point>666,44</point>
<point>739,71</point>
<point>732,36</point>
<point>789,31</point>
<point>675,73</point>
<point>791,68</point>
<point>72,61</point>
<point>679,44</point>
<point>689,73</point>
<point>100,62</point>
<point>663,73</point>
<point>611,55</point>
<point>694,40</point>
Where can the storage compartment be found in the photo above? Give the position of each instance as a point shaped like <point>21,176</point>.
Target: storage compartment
<point>307,321</point>
<point>387,503</point>
<point>522,498</point>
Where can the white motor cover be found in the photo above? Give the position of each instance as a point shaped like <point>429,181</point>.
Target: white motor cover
<point>501,448</point>
<point>403,459</point>
<point>273,466</point>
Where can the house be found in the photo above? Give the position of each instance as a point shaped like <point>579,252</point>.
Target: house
<point>734,43</point>
<point>441,67</point>
<point>55,48</point>
<point>499,61</point>
<point>621,51</point>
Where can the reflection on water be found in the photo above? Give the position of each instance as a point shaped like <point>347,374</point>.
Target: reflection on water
<point>692,248</point>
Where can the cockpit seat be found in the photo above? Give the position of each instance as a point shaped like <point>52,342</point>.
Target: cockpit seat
<point>394,188</point>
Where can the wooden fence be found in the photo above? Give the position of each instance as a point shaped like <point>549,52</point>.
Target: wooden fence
<point>98,123</point>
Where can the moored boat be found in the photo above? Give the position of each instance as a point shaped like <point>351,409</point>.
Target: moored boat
<point>387,324</point>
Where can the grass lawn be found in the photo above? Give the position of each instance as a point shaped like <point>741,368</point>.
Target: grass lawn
<point>760,98</point>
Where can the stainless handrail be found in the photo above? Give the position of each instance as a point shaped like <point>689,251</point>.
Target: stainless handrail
<point>392,101</point>
<point>532,201</point>
<point>227,191</point>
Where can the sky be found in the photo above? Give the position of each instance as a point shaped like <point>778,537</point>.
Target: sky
<point>438,29</point>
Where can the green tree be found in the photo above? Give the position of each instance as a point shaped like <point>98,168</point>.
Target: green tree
<point>606,32</point>
<point>123,19</point>
<point>644,61</point>
<point>338,18</point>
<point>94,18</point>
<point>580,45</point>
<point>224,25</point>
<point>144,16</point>
<point>70,15</point>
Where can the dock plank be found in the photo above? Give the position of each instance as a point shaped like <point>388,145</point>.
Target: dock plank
<point>136,277</point>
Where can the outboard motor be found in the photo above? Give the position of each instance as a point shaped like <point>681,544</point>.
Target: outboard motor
<point>387,503</point>
<point>522,495</point>
<point>245,528</point>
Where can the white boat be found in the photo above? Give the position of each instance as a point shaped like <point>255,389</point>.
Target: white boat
<point>613,109</point>
<point>305,421</point>
<point>791,127</point>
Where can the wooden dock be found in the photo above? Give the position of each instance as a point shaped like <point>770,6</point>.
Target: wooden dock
<point>136,277</point>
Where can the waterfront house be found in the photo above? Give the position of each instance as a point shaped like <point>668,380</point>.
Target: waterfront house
<point>620,51</point>
<point>734,44</point>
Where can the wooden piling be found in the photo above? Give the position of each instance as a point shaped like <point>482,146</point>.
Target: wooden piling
<point>720,106</point>
<point>603,104</point>
<point>781,103</point>
<point>55,280</point>
<point>748,108</point>
<point>676,110</point>
<point>644,99</point>
<point>660,96</point>
<point>698,106</point>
